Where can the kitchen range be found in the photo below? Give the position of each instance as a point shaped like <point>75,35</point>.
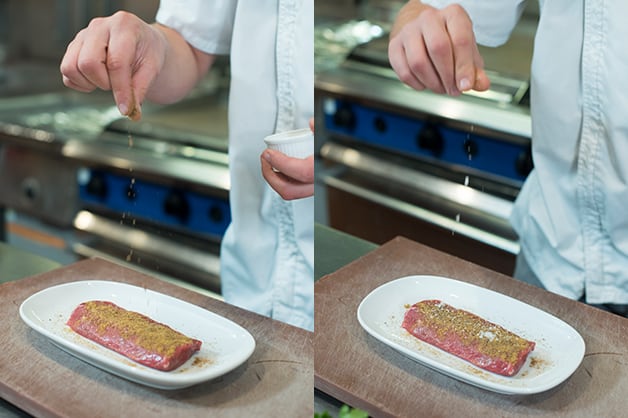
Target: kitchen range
<point>81,181</point>
<point>441,170</point>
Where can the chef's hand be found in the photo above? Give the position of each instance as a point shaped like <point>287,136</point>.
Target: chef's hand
<point>435,49</point>
<point>135,60</point>
<point>293,178</point>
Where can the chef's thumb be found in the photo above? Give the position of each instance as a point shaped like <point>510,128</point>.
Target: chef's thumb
<point>127,103</point>
<point>466,70</point>
<point>482,82</point>
<point>140,84</point>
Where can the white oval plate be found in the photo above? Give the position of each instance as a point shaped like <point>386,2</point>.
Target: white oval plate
<point>559,348</point>
<point>226,345</point>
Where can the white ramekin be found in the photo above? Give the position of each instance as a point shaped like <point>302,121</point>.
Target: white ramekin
<point>298,143</point>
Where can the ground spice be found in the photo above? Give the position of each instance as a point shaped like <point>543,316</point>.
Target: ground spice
<point>487,338</point>
<point>132,326</point>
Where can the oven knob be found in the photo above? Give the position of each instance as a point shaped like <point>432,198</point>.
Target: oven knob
<point>97,186</point>
<point>31,188</point>
<point>344,117</point>
<point>431,140</point>
<point>380,124</point>
<point>177,205</point>
<point>524,163</point>
<point>216,214</point>
<point>470,148</point>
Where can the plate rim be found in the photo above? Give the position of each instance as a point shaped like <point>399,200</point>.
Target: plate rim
<point>461,375</point>
<point>138,373</point>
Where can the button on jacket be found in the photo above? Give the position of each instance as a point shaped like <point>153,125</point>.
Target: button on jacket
<point>267,254</point>
<point>571,215</point>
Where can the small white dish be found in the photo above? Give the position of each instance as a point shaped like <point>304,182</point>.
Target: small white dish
<point>226,345</point>
<point>559,348</point>
<point>298,143</point>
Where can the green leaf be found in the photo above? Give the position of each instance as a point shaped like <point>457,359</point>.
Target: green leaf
<point>347,412</point>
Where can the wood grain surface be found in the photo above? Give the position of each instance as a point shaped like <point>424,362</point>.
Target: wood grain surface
<point>359,370</point>
<point>45,381</point>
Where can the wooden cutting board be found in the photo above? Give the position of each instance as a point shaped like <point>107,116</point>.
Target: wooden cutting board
<point>361,371</point>
<point>45,381</point>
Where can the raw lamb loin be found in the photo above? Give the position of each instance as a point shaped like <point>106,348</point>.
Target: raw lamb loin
<point>133,335</point>
<point>466,335</point>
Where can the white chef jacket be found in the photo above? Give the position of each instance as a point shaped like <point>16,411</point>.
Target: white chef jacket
<point>572,214</point>
<point>267,253</point>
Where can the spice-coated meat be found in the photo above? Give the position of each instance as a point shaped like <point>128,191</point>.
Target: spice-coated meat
<point>133,335</point>
<point>468,336</point>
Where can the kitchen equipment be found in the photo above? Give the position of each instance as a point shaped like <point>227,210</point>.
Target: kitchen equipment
<point>153,193</point>
<point>298,143</point>
<point>441,170</point>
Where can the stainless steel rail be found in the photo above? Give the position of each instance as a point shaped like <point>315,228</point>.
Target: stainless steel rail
<point>487,205</point>
<point>499,117</point>
<point>158,247</point>
<point>201,172</point>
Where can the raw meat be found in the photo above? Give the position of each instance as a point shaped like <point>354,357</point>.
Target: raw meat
<point>133,335</point>
<point>466,335</point>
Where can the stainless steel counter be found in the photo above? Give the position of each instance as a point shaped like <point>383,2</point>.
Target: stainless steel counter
<point>16,264</point>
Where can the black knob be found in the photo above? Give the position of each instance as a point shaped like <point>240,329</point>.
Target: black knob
<point>31,188</point>
<point>216,214</point>
<point>524,163</point>
<point>380,124</point>
<point>97,186</point>
<point>431,140</point>
<point>470,148</point>
<point>177,205</point>
<point>344,117</point>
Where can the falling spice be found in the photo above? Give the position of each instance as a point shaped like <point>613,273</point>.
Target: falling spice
<point>132,184</point>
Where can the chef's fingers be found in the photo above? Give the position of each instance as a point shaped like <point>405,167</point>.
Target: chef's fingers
<point>482,81</point>
<point>292,191</point>
<point>69,83</point>
<point>121,59</point>
<point>92,56</point>
<point>72,76</point>
<point>465,51</point>
<point>287,187</point>
<point>440,51</point>
<point>142,78</point>
<point>399,62</point>
<point>299,169</point>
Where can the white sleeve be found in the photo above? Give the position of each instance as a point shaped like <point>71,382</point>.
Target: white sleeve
<point>206,25</point>
<point>493,20</point>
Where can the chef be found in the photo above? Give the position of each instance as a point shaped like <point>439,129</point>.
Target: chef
<point>571,213</point>
<point>267,253</point>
